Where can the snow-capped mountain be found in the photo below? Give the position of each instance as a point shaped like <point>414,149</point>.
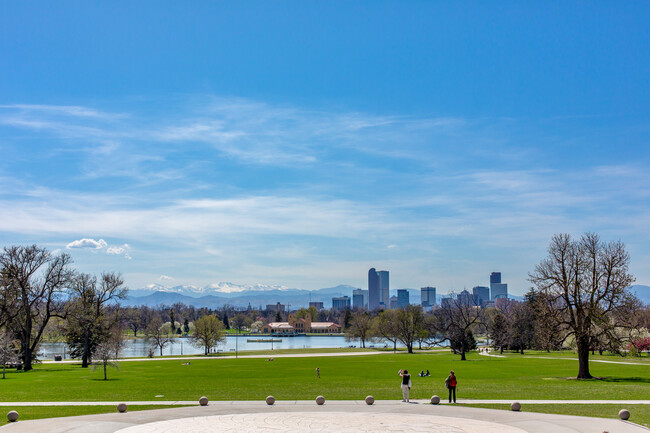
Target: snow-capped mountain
<point>221,289</point>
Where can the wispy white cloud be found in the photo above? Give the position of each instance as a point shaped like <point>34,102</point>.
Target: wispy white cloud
<point>87,243</point>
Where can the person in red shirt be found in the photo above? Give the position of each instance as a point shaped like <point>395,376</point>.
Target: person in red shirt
<point>451,383</point>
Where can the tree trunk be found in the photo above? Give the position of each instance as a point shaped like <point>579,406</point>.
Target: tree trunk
<point>3,370</point>
<point>86,353</point>
<point>501,350</point>
<point>409,347</point>
<point>462,356</point>
<point>104,370</point>
<point>583,359</point>
<point>363,343</point>
<point>521,350</point>
<point>161,348</point>
<point>28,357</point>
<point>395,346</point>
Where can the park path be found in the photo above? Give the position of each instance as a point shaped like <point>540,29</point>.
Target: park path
<point>306,402</point>
<point>604,361</point>
<point>334,416</point>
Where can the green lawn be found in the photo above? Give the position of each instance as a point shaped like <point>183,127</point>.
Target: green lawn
<point>480,377</point>
<point>341,378</point>
<point>639,413</point>
<point>38,412</point>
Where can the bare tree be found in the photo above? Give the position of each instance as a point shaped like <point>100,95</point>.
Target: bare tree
<point>208,332</point>
<point>455,320</point>
<point>157,334</point>
<point>587,283</point>
<point>360,326</point>
<point>38,279</point>
<point>87,324</point>
<point>107,352</point>
<point>8,350</point>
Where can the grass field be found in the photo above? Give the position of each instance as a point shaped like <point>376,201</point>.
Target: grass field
<point>354,377</point>
<point>639,414</point>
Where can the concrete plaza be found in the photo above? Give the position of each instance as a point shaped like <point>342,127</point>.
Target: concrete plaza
<point>334,416</point>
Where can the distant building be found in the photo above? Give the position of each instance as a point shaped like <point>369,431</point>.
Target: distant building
<point>481,295</point>
<point>384,287</point>
<point>341,303</point>
<point>374,295</point>
<point>402,298</point>
<point>445,302</point>
<point>301,326</point>
<point>359,298</point>
<point>318,305</point>
<point>465,298</point>
<point>392,302</point>
<point>276,307</point>
<point>428,296</point>
<point>497,289</point>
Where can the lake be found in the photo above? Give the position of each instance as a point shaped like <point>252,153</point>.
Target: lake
<point>183,346</point>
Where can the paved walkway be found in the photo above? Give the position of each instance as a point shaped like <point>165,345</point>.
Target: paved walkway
<point>307,417</point>
<point>604,361</point>
<point>305,402</point>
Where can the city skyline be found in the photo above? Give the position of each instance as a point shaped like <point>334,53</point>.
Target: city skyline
<point>437,141</point>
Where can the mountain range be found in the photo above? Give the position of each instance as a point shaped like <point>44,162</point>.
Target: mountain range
<point>220,294</point>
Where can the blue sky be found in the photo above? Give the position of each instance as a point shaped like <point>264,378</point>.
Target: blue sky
<point>301,143</point>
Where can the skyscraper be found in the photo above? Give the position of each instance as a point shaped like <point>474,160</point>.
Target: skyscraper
<point>428,296</point>
<point>374,295</point>
<point>384,288</point>
<point>402,298</point>
<point>497,289</point>
<point>481,294</point>
<point>359,298</point>
<point>341,303</point>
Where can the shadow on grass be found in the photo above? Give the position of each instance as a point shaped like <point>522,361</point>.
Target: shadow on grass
<point>625,379</point>
<point>106,380</point>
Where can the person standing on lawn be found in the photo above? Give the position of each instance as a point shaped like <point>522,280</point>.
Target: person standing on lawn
<point>406,384</point>
<point>451,383</point>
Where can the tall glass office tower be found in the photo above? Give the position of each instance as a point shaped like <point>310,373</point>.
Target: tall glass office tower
<point>374,296</point>
<point>384,288</point>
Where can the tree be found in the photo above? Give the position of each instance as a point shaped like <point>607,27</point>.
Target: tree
<point>8,350</point>
<point>107,352</point>
<point>409,324</point>
<point>241,321</point>
<point>498,330</point>
<point>172,320</point>
<point>87,321</point>
<point>587,283</point>
<point>186,326</point>
<point>347,316</point>
<point>455,318</point>
<point>157,334</point>
<point>208,332</point>
<point>384,327</point>
<point>37,278</point>
<point>360,326</point>
<point>278,315</point>
<point>521,326</point>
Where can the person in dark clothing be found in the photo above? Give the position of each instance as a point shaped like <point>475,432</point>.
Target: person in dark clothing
<point>451,383</point>
<point>406,384</point>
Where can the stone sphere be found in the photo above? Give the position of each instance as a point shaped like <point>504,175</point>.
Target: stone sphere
<point>270,400</point>
<point>370,400</point>
<point>435,400</point>
<point>320,400</point>
<point>121,408</point>
<point>203,401</point>
<point>624,414</point>
<point>12,416</point>
<point>516,406</point>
